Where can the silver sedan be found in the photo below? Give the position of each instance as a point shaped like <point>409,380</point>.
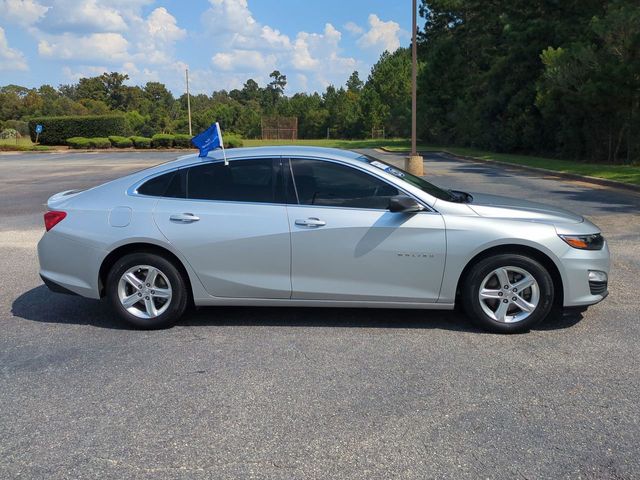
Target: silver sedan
<point>293,226</point>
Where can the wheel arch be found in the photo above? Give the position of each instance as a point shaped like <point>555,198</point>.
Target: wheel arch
<point>518,249</point>
<point>141,247</point>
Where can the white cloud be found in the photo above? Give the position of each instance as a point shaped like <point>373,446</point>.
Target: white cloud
<point>156,36</point>
<point>10,59</point>
<point>104,47</point>
<point>22,12</point>
<point>381,35</point>
<point>249,61</point>
<point>353,28</point>
<point>87,16</point>
<point>245,45</point>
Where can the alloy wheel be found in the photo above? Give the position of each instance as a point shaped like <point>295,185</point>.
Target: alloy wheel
<point>144,291</point>
<point>509,294</point>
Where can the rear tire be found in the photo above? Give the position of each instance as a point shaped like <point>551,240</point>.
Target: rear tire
<point>147,291</point>
<point>508,293</point>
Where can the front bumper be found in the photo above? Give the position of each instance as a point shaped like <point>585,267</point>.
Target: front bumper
<point>578,290</point>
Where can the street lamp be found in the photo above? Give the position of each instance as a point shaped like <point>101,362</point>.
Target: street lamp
<point>415,162</point>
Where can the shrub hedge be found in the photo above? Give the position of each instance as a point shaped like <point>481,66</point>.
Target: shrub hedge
<point>100,142</point>
<point>58,129</point>
<point>162,140</point>
<point>141,142</point>
<point>79,142</point>
<point>83,142</point>
<point>120,142</point>
<point>181,140</point>
<point>232,141</point>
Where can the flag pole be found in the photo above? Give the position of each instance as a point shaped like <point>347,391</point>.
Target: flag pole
<point>224,154</point>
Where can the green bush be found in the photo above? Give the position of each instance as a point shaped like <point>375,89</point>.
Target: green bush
<point>58,129</point>
<point>182,141</point>
<point>19,125</point>
<point>9,133</point>
<point>162,140</point>
<point>120,142</point>
<point>83,142</point>
<point>99,142</point>
<point>232,141</point>
<point>79,142</point>
<point>141,142</point>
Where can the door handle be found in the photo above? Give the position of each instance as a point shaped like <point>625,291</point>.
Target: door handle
<point>310,222</point>
<point>184,218</point>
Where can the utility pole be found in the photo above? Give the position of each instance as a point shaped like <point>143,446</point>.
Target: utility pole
<point>415,163</point>
<point>188,102</point>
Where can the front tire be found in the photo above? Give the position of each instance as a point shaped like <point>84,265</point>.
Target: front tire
<point>147,291</point>
<point>508,293</point>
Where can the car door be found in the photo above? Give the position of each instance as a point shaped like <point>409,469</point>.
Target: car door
<point>232,227</point>
<point>346,244</point>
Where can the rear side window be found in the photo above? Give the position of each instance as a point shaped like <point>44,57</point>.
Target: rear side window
<point>330,184</point>
<point>240,181</point>
<point>168,185</point>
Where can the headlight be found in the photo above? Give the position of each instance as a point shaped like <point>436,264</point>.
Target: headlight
<point>584,242</point>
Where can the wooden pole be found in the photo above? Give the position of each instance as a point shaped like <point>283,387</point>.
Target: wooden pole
<point>188,102</point>
<point>415,163</point>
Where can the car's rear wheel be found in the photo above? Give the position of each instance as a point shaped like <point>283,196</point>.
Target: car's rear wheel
<point>508,293</point>
<point>147,290</point>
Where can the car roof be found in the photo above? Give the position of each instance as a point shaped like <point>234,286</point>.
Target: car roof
<point>285,150</point>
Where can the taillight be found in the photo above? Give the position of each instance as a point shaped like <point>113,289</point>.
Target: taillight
<point>51,219</point>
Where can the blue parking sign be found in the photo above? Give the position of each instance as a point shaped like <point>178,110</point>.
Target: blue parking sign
<point>38,128</point>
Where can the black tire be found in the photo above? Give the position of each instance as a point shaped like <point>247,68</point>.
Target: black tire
<point>481,270</point>
<point>179,295</point>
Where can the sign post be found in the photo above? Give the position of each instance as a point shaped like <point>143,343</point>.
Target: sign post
<point>39,129</point>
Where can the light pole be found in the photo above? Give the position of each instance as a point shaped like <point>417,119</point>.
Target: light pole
<point>415,163</point>
<point>188,102</point>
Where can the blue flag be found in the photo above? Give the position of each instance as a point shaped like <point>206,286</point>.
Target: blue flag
<point>209,140</point>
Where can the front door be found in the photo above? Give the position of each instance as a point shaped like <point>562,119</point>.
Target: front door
<point>346,245</point>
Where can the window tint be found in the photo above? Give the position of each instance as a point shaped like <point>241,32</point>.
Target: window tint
<point>240,181</point>
<point>333,185</point>
<point>168,185</point>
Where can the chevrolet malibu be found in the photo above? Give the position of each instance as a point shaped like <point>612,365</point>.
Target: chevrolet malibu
<point>290,226</point>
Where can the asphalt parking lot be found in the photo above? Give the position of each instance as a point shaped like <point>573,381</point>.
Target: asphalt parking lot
<point>302,393</point>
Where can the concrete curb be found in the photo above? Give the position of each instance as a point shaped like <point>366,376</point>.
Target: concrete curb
<point>570,176</point>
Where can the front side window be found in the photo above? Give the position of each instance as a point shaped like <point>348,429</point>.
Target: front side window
<point>329,184</point>
<point>240,181</point>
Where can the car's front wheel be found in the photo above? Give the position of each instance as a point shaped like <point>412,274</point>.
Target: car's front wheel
<point>508,293</point>
<point>147,290</point>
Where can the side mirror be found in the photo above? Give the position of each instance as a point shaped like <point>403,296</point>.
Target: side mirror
<point>404,204</point>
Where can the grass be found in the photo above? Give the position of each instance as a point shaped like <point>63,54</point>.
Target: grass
<point>395,143</point>
<point>23,144</point>
<point>621,173</point>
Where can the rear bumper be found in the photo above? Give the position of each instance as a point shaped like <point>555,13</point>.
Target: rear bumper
<point>69,266</point>
<point>55,287</point>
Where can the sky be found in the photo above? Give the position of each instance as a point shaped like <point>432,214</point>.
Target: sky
<point>222,42</point>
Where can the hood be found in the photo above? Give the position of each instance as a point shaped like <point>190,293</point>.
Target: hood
<point>505,207</point>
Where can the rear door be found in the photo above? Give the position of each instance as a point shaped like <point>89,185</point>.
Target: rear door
<point>346,245</point>
<point>232,227</point>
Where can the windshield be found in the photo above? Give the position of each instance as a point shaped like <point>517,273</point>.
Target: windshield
<point>411,179</point>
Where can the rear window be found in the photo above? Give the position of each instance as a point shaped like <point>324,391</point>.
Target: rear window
<point>168,185</point>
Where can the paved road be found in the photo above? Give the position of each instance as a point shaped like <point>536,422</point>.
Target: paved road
<point>301,393</point>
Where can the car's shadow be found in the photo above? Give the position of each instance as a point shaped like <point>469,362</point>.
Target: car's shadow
<point>41,305</point>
